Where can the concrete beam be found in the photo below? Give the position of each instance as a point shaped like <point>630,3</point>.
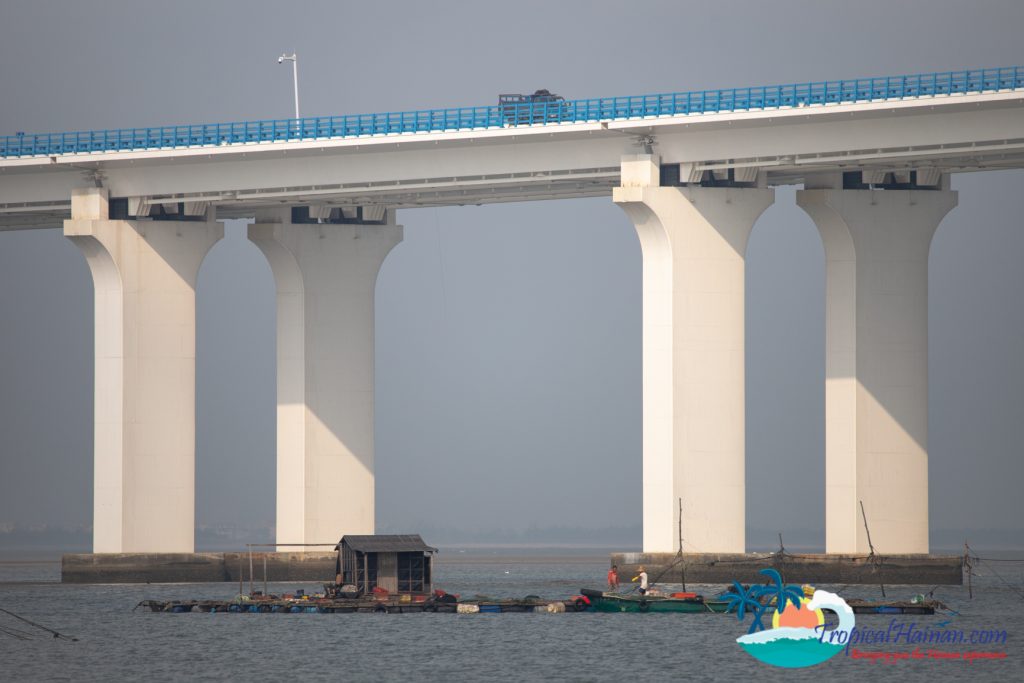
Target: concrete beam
<point>928,176</point>
<point>690,173</point>
<point>873,176</point>
<point>693,241</point>
<point>320,211</point>
<point>325,276</point>
<point>144,276</point>
<point>139,207</point>
<point>745,174</point>
<point>876,361</point>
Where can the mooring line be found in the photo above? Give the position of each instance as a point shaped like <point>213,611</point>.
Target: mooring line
<point>56,634</point>
<point>1009,585</point>
<point>15,633</point>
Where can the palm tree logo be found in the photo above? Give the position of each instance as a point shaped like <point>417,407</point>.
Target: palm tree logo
<point>780,593</point>
<point>757,599</point>
<point>793,639</point>
<point>740,598</point>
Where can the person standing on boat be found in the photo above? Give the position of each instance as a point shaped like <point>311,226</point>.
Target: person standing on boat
<point>642,577</point>
<point>613,578</point>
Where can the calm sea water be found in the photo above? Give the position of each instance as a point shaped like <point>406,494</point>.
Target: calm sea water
<point>117,643</point>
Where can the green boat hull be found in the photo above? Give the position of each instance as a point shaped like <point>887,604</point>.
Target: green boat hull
<point>609,602</point>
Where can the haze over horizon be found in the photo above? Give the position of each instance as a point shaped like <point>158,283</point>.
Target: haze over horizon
<point>508,336</point>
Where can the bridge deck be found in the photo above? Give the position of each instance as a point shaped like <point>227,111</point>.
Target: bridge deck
<point>815,94</point>
<point>935,124</point>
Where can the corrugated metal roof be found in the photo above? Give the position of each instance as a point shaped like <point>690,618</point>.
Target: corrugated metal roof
<point>387,543</point>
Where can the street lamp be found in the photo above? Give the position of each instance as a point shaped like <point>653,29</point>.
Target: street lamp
<point>294,59</point>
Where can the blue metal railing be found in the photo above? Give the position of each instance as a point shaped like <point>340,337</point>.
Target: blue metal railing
<point>500,116</point>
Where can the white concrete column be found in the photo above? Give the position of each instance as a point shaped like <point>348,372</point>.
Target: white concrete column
<point>144,275</point>
<point>876,363</point>
<point>693,242</point>
<point>325,275</point>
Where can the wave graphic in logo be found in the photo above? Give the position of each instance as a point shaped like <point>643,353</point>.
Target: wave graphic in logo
<point>800,646</point>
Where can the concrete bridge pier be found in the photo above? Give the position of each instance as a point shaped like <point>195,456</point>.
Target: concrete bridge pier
<point>876,393</point>
<point>693,241</point>
<point>325,273</point>
<point>144,275</point>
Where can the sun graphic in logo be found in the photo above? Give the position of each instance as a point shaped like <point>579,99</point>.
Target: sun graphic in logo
<point>799,616</point>
<point>797,637</point>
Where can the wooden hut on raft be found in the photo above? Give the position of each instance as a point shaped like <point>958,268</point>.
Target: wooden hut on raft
<point>398,563</point>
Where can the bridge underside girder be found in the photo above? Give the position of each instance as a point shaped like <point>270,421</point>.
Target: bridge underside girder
<point>570,184</point>
<point>928,135</point>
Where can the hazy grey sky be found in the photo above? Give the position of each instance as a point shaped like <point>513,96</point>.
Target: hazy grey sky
<point>508,337</point>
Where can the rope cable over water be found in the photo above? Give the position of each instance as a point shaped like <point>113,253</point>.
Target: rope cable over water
<point>995,559</point>
<point>15,633</point>
<point>1014,589</point>
<point>56,634</point>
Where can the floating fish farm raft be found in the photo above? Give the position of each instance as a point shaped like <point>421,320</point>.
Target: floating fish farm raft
<point>392,574</point>
<point>401,605</point>
<point>346,606</point>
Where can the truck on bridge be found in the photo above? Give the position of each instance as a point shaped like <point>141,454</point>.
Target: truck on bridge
<point>543,105</point>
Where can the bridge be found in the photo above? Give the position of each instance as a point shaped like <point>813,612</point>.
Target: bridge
<point>693,171</point>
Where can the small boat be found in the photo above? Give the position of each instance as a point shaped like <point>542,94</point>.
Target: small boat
<point>623,602</point>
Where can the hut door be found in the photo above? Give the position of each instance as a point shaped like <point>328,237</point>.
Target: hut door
<point>387,571</point>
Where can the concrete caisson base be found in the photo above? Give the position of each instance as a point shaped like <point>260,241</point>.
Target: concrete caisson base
<point>805,568</point>
<point>195,567</point>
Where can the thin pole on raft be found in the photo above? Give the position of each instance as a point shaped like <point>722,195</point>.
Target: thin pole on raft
<point>682,566</point>
<point>967,566</point>
<point>679,559</point>
<point>264,574</point>
<point>250,570</point>
<point>875,561</point>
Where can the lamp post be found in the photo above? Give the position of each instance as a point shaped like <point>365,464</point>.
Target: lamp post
<point>294,59</point>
